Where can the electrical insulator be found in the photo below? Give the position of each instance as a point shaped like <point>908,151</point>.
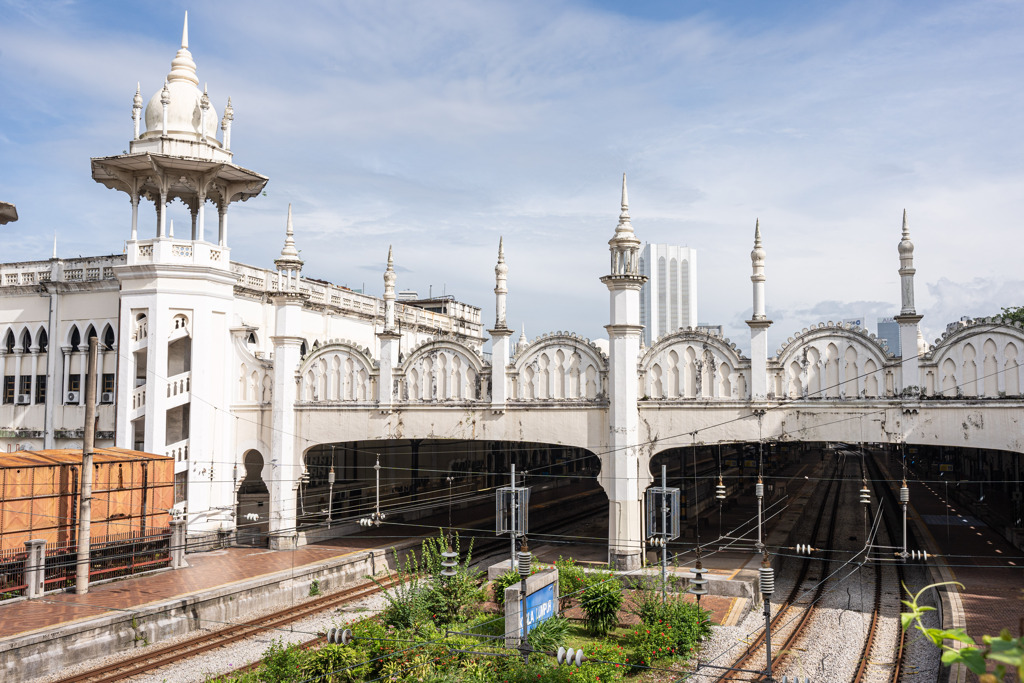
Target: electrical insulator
<point>449,560</point>
<point>767,580</point>
<point>570,657</point>
<point>804,549</point>
<point>339,636</point>
<point>525,562</point>
<point>330,477</point>
<point>656,541</point>
<point>759,489</point>
<point>865,494</point>
<point>720,490</point>
<point>698,584</point>
<point>904,493</point>
<point>919,554</point>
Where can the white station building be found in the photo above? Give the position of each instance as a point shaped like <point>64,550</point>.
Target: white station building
<point>258,381</point>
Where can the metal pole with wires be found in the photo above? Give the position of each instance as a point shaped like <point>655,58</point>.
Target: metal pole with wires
<point>664,535</point>
<point>766,580</point>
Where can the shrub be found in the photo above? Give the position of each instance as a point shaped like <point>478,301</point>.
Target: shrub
<point>445,598</point>
<point>571,581</point>
<point>601,602</point>
<point>549,634</point>
<point>687,623</point>
<point>509,578</point>
<point>333,663</point>
<point>280,662</point>
<point>647,643</point>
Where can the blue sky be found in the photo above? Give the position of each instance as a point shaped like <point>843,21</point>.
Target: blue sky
<point>439,126</point>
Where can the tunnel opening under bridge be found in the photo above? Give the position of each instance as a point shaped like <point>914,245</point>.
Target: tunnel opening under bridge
<point>424,481</point>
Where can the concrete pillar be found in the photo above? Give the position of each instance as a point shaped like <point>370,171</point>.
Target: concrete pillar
<point>389,342</point>
<point>178,539</point>
<point>284,460</point>
<point>501,341</point>
<point>35,568</point>
<point>910,370</point>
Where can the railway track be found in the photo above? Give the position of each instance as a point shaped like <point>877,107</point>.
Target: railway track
<point>755,654</point>
<point>886,573</point>
<point>159,657</point>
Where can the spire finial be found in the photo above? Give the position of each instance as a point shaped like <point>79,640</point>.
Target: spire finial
<point>183,68</point>
<point>391,258</point>
<point>54,244</point>
<point>501,249</point>
<point>184,32</point>
<point>289,252</point>
<point>624,224</point>
<point>757,233</point>
<point>906,228</point>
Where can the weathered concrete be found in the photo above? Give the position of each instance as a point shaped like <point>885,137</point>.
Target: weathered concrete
<point>40,653</point>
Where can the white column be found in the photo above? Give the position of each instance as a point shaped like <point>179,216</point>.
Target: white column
<point>222,225</point>
<point>82,365</point>
<point>17,374</point>
<point>34,362</point>
<point>758,323</point>
<point>135,216</point>
<point>161,212</point>
<point>284,457</point>
<point>67,359</point>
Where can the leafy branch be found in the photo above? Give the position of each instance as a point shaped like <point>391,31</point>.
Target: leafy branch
<point>1003,650</point>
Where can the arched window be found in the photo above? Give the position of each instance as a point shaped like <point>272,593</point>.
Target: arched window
<point>76,339</point>
<point>108,338</point>
<point>43,341</point>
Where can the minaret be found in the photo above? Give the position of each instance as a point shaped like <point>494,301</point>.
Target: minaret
<point>522,342</point>
<point>285,454</point>
<point>908,318</point>
<point>389,341</point>
<point>758,323</point>
<point>501,336</point>
<point>624,472</point>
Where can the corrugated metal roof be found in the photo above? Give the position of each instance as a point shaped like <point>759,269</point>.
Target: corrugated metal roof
<point>73,456</point>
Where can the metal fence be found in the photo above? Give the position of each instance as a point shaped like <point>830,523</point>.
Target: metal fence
<point>111,557</point>
<point>12,573</point>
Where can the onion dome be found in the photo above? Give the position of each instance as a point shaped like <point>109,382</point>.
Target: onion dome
<point>184,111</point>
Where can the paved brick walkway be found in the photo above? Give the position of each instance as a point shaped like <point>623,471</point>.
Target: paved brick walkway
<point>991,570</point>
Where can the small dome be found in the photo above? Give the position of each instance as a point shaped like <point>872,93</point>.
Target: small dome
<point>184,113</point>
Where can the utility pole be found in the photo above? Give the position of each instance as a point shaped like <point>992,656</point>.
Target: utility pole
<point>85,499</point>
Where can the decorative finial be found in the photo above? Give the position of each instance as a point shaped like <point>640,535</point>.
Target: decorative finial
<point>183,68</point>
<point>289,252</point>
<point>137,102</point>
<point>624,224</point>
<point>391,258</point>
<point>229,111</point>
<point>501,249</point>
<point>906,228</point>
<point>184,32</point>
<point>757,232</point>
<point>54,244</point>
<point>165,94</point>
<point>204,101</point>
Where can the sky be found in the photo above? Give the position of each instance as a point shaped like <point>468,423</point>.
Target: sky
<point>440,126</point>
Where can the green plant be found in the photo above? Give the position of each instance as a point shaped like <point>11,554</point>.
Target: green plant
<point>647,643</point>
<point>684,621</point>
<point>549,634</point>
<point>314,588</point>
<point>333,663</point>
<point>509,578</point>
<point>572,580</point>
<point>601,602</point>
<point>403,597</point>
<point>280,662</point>
<point>447,598</point>
<point>1003,650</point>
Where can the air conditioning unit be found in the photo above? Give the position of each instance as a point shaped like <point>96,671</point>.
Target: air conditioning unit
<point>23,399</point>
<point>72,397</point>
<point>107,397</point>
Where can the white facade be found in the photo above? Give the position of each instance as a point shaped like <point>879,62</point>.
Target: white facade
<point>668,300</point>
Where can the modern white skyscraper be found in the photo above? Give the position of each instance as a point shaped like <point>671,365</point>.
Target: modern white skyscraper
<point>668,300</point>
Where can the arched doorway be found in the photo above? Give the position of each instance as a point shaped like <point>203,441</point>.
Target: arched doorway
<point>253,508</point>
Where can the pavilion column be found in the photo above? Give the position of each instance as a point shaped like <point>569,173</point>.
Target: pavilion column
<point>161,213</point>
<point>17,374</point>
<point>222,227</point>
<point>202,217</point>
<point>135,216</point>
